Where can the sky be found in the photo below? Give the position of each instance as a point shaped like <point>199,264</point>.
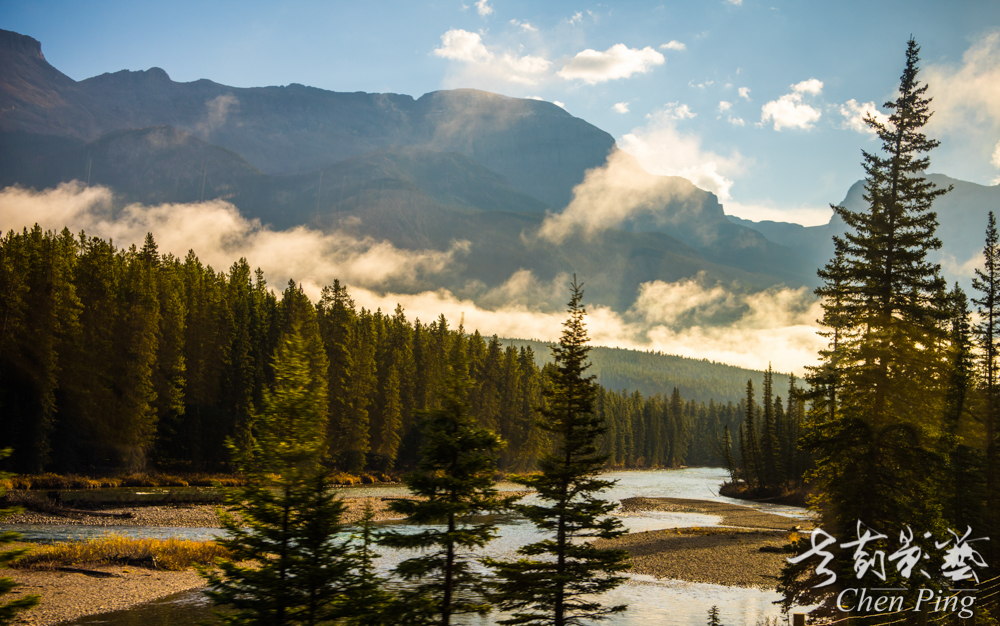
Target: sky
<point>759,102</point>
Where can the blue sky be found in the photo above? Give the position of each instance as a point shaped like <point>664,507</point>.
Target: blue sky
<point>759,102</point>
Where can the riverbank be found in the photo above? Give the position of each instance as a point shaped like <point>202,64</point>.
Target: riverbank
<point>69,595</point>
<point>721,556</point>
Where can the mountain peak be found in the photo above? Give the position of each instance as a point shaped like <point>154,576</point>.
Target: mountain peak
<point>22,44</point>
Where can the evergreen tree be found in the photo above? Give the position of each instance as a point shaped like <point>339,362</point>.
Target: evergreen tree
<point>287,565</point>
<point>713,616</point>
<point>455,479</point>
<point>559,588</point>
<point>9,610</point>
<point>987,335</point>
<point>878,457</point>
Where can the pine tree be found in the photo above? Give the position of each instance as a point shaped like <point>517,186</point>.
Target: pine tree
<point>878,457</point>
<point>9,610</point>
<point>454,478</point>
<point>287,566</point>
<point>987,335</point>
<point>713,616</point>
<point>559,588</point>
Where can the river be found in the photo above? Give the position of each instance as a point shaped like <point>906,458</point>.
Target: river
<point>651,601</point>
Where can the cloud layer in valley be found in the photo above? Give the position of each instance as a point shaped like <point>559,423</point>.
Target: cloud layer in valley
<point>687,317</point>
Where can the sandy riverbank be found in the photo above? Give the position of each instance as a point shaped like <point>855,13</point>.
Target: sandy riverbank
<point>191,516</point>
<point>722,556</point>
<point>69,596</point>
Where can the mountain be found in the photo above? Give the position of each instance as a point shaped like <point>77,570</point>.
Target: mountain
<point>961,213</point>
<point>460,165</point>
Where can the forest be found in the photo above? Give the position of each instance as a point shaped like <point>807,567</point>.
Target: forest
<point>125,359</point>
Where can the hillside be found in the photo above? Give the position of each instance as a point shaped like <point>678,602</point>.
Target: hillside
<point>651,373</point>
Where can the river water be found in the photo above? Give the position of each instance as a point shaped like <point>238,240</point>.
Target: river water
<point>651,601</point>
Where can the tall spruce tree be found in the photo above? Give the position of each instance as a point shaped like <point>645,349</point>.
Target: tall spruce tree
<point>454,478</point>
<point>987,335</point>
<point>877,458</point>
<point>559,588</point>
<point>287,565</point>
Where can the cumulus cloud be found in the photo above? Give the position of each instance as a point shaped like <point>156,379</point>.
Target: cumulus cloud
<point>661,148</point>
<point>688,317</point>
<point>855,115</point>
<point>219,235</point>
<point>609,195</point>
<point>673,44</point>
<point>967,94</point>
<point>735,121</point>
<point>461,45</point>
<point>484,8</point>
<point>576,19</point>
<point>725,106</point>
<point>559,104</point>
<point>524,25</point>
<point>618,61</point>
<point>789,111</point>
<point>735,2</point>
<point>621,107</point>
<point>744,92</point>
<point>467,47</point>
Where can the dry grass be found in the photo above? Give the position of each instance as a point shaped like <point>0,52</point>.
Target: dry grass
<point>72,481</point>
<point>169,554</point>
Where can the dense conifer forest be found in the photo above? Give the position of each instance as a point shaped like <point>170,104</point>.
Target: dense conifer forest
<point>127,360</point>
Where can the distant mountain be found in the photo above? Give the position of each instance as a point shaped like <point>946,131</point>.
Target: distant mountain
<point>961,213</point>
<point>452,165</point>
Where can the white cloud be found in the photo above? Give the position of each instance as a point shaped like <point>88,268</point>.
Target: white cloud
<point>725,106</point>
<point>773,325</point>
<point>621,107</point>
<point>484,8</point>
<point>524,25</point>
<point>461,45</point>
<point>967,269</point>
<point>812,86</point>
<point>618,61</point>
<point>219,235</point>
<point>675,111</point>
<point>707,83</point>
<point>467,47</point>
<point>996,156</point>
<point>617,191</point>
<point>744,92</point>
<point>967,96</point>
<point>663,149</point>
<point>789,111</point>
<point>577,17</point>
<point>805,215</point>
<point>735,2</point>
<point>735,121</point>
<point>559,104</point>
<point>855,114</point>
<point>217,112</point>
<point>673,44</point>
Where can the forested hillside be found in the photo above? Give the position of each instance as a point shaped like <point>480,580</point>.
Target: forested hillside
<point>124,359</point>
<point>654,372</point>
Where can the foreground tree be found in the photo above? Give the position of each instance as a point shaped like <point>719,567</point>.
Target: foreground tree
<point>9,610</point>
<point>287,567</point>
<point>878,456</point>
<point>558,588</point>
<point>455,479</point>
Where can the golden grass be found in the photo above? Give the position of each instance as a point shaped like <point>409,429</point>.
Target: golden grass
<point>72,481</point>
<point>170,554</point>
